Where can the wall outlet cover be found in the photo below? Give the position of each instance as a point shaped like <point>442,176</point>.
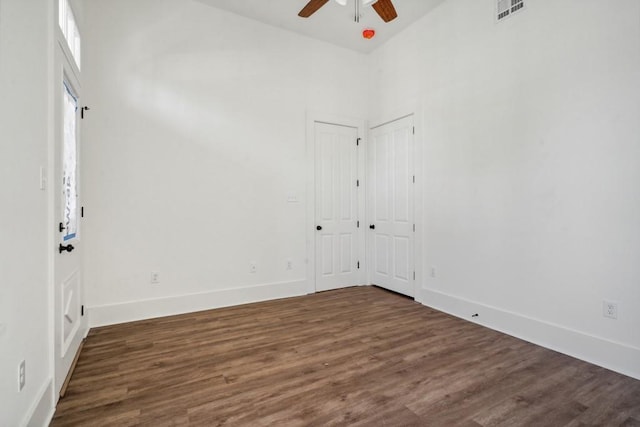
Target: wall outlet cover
<point>155,277</point>
<point>610,309</point>
<point>22,375</point>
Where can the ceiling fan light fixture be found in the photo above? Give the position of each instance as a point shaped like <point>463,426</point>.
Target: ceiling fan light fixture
<point>368,33</point>
<point>342,2</point>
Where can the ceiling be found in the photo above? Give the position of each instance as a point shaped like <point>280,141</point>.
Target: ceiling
<point>332,23</point>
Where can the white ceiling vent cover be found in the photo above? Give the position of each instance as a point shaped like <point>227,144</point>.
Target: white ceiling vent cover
<point>508,7</point>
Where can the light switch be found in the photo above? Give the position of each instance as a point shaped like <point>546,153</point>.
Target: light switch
<point>43,178</point>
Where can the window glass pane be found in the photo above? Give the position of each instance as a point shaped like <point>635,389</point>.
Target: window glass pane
<point>69,166</point>
<point>76,49</point>
<point>69,28</point>
<point>62,16</point>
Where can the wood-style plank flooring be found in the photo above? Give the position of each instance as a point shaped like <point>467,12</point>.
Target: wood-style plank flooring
<point>358,356</point>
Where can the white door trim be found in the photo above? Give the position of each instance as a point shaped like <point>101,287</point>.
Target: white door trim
<point>62,69</point>
<point>413,235</point>
<point>360,125</point>
<point>419,218</point>
<point>421,250</point>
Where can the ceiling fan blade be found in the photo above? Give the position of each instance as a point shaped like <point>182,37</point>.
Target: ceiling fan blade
<point>386,10</point>
<point>311,8</point>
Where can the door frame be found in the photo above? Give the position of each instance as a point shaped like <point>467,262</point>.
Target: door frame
<point>418,191</point>
<point>62,68</point>
<point>310,222</point>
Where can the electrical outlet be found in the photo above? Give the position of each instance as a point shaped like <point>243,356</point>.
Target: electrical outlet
<point>610,309</point>
<point>22,375</point>
<point>289,264</point>
<point>155,277</point>
<point>253,267</point>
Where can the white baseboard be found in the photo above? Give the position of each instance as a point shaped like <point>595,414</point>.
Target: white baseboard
<point>112,314</point>
<point>599,351</point>
<point>41,413</point>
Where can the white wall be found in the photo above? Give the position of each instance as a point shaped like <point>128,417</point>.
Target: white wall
<point>24,294</point>
<point>195,138</point>
<point>531,134</point>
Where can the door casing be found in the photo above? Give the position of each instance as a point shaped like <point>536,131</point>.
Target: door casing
<point>337,214</point>
<point>411,289</point>
<point>66,269</point>
<point>360,125</point>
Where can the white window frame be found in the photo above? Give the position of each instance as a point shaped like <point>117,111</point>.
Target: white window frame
<point>69,36</point>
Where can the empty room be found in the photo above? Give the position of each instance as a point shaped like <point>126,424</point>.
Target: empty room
<point>320,212</point>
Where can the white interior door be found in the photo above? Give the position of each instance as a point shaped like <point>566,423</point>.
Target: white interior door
<point>392,208</point>
<point>69,324</point>
<point>336,178</point>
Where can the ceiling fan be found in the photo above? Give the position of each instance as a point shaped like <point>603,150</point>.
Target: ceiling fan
<point>384,8</point>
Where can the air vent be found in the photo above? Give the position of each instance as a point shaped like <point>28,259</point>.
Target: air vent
<point>507,8</point>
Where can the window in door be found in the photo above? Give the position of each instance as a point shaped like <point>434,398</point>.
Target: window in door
<point>70,165</point>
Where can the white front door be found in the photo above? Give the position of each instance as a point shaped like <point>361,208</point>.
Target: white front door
<point>337,185</point>
<point>69,323</point>
<point>391,196</point>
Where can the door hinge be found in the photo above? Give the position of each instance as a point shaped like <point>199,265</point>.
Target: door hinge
<point>357,224</point>
<point>357,183</point>
<point>414,179</point>
<point>358,264</point>
<point>414,275</point>
<point>414,228</point>
<point>82,212</point>
<point>414,130</point>
<point>82,110</point>
<point>82,310</point>
<point>358,141</point>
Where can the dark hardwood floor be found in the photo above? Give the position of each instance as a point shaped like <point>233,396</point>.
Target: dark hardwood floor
<point>359,356</point>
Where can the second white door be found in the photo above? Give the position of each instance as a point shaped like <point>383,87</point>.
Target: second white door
<point>336,177</point>
<point>391,197</point>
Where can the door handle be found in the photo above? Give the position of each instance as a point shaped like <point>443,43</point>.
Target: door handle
<point>67,248</point>
<point>319,227</point>
<point>372,226</point>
